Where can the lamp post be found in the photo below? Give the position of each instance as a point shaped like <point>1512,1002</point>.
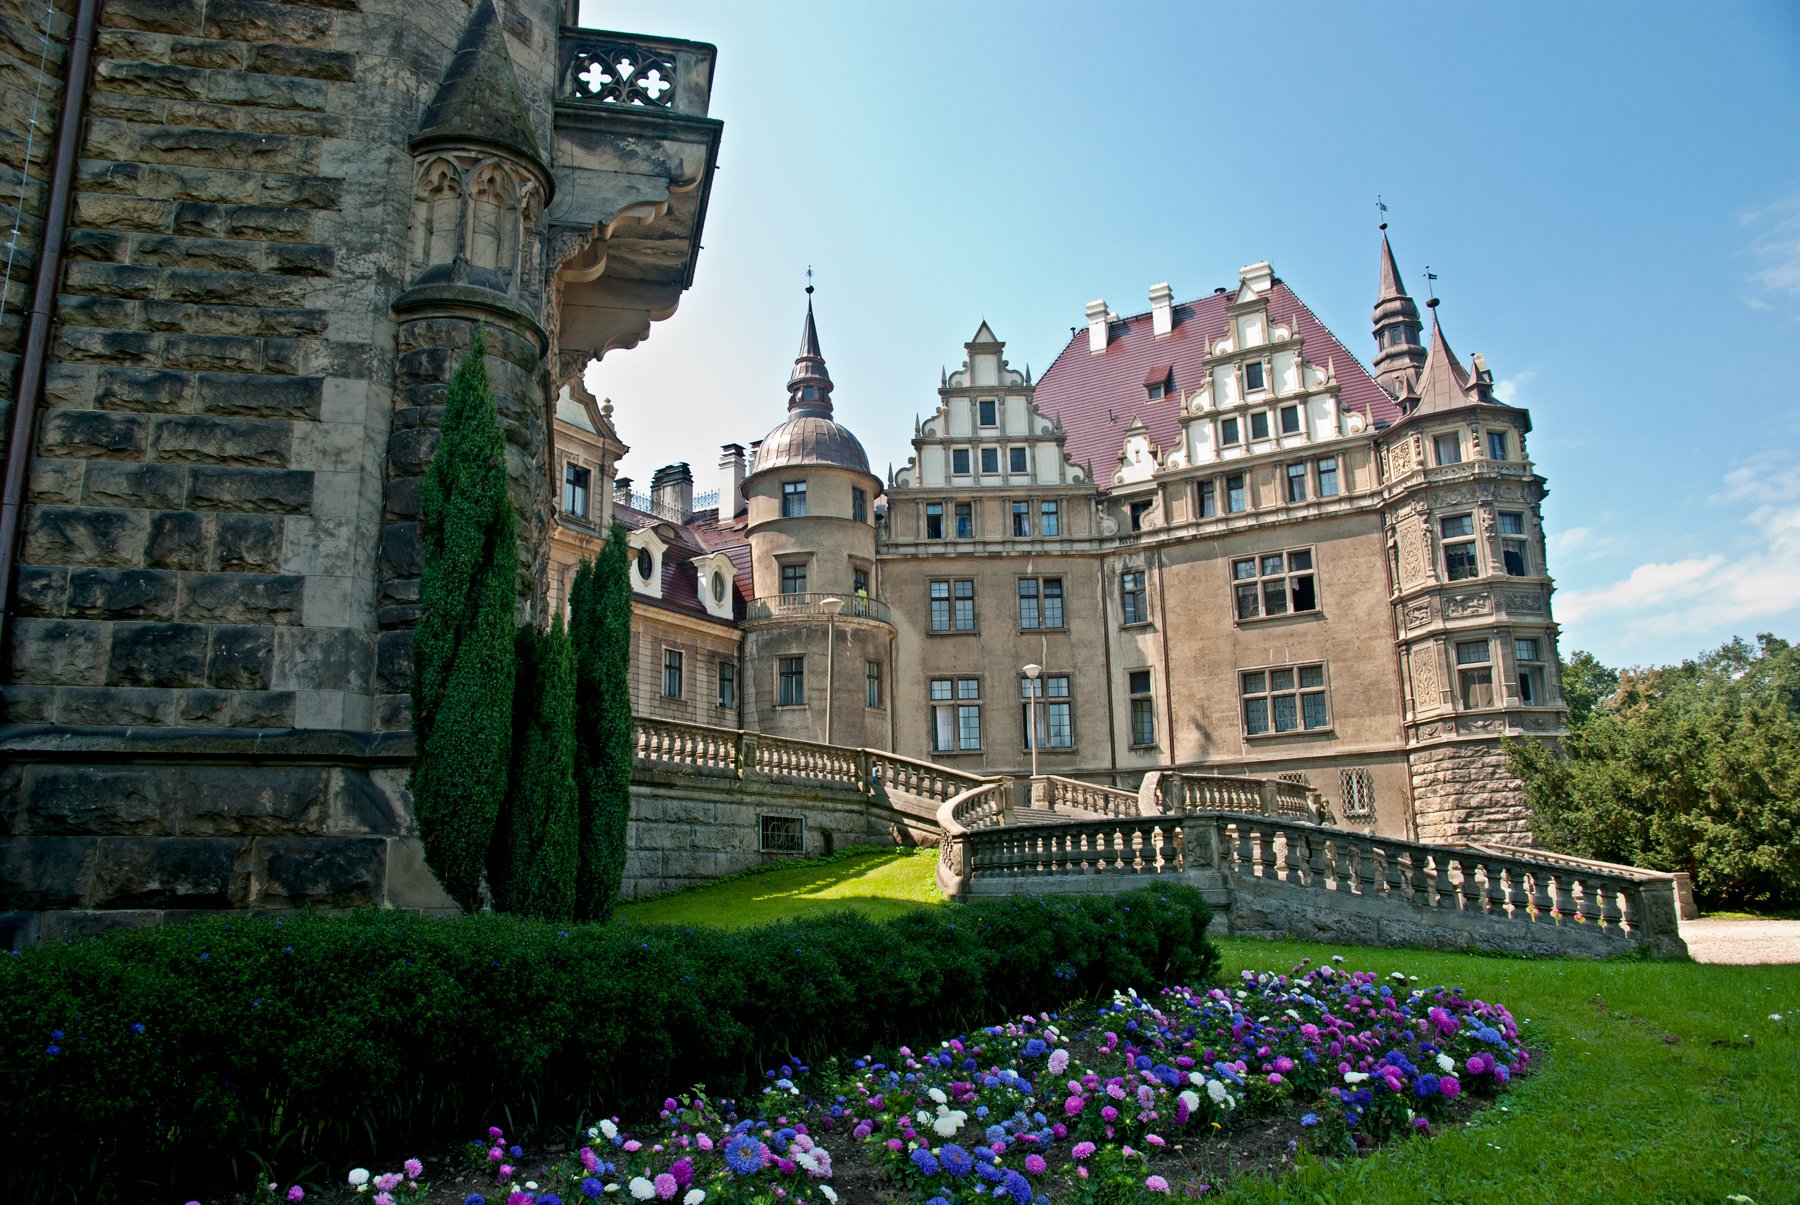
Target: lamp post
<point>832,607</point>
<point>1031,676</point>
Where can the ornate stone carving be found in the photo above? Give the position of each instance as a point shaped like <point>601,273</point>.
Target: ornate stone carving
<point>621,74</point>
<point>1425,679</point>
<point>1529,601</point>
<point>1418,614</point>
<point>1461,606</point>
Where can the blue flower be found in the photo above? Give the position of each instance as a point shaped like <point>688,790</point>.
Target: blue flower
<point>995,1134</point>
<point>1311,1119</point>
<point>925,1161</point>
<point>1017,1187</point>
<point>743,1155</point>
<point>550,1198</point>
<point>517,1152</point>
<point>1425,1086</point>
<point>1035,1048</point>
<point>53,1050</point>
<point>474,1198</point>
<point>783,1137</point>
<point>937,1201</point>
<point>956,1160</point>
<point>592,1188</point>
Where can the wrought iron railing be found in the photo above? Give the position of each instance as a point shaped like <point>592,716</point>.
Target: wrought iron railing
<point>793,606</point>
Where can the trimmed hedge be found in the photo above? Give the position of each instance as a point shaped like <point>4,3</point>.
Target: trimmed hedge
<point>134,1062</point>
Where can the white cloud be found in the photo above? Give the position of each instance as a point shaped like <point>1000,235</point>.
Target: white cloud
<point>1583,543</point>
<point>1775,248</point>
<point>1507,388</point>
<point>1649,585</point>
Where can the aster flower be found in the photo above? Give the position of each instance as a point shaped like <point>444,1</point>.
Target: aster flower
<point>359,1176</point>
<point>641,1189</point>
<point>744,1155</point>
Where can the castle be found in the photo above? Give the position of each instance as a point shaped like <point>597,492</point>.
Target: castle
<point>253,239</point>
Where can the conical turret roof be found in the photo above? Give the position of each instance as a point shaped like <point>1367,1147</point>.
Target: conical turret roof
<point>1444,384</point>
<point>809,385</point>
<point>480,99</point>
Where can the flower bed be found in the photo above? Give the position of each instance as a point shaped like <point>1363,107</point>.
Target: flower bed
<point>1134,1103</point>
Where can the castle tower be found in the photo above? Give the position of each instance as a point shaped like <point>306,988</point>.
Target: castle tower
<point>1473,628</point>
<point>1398,355</point>
<point>818,644</point>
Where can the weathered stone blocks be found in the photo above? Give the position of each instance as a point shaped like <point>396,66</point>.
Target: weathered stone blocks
<point>57,652</point>
<point>337,872</point>
<point>83,535</point>
<point>276,491</point>
<point>121,594</point>
<point>157,654</point>
<point>182,872</point>
<point>93,801</point>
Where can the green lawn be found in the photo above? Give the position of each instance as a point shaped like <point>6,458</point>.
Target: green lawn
<point>1662,1082</point>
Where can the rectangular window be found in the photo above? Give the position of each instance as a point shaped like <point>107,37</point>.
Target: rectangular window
<point>1017,460</point>
<point>1055,721</point>
<point>1448,447</point>
<point>1512,543</point>
<point>965,520</point>
<point>1208,499</point>
<point>934,520</point>
<point>1135,513</point>
<point>1157,389</point>
<point>1296,482</point>
<point>1290,420</point>
<point>728,685</point>
<point>1050,518</point>
<point>576,482</point>
<point>1358,795</point>
<point>1529,659</point>
<point>1133,598</point>
<point>1328,477</point>
<point>791,679</point>
<point>955,714</point>
<point>1496,445</point>
<point>859,504</point>
<point>1021,518</point>
<point>671,674</point>
<point>859,583</point>
<point>793,578</point>
<point>990,460</point>
<point>953,605</point>
<point>1289,698</point>
<point>872,679</point>
<point>781,834</point>
<point>959,462</point>
<point>1234,494</point>
<point>1259,425</point>
<point>1275,583</point>
<point>1143,708</point>
<point>1253,379</point>
<point>989,412</point>
<point>1229,432</point>
<point>793,499</point>
<point>1040,602</point>
<point>1459,547</point>
<point>1475,673</point>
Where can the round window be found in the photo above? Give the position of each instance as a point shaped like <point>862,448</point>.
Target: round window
<point>718,586</point>
<point>646,564</point>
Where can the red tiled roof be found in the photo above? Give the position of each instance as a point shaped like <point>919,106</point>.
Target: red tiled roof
<point>701,535</point>
<point>1097,396</point>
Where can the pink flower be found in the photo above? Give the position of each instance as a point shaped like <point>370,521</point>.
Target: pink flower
<point>589,1161</point>
<point>1156,1184</point>
<point>1448,1086</point>
<point>1073,1105</point>
<point>296,1193</point>
<point>683,1171</point>
<point>666,1188</point>
<point>633,1146</point>
<point>387,1181</point>
<point>1154,1140</point>
<point>894,1144</point>
<point>703,1142</point>
<point>384,1198</point>
<point>1034,1163</point>
<point>413,1168</point>
<point>1109,1113</point>
<point>495,1154</point>
<point>1274,1077</point>
<point>1082,1150</point>
<point>495,1133</point>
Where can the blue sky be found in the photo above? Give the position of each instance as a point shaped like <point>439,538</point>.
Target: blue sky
<point>1609,194</point>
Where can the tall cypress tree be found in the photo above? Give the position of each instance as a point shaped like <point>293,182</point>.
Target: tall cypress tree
<point>463,642</point>
<point>533,863</point>
<point>600,629</point>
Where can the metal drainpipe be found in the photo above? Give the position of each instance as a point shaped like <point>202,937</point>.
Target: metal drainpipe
<point>23,436</point>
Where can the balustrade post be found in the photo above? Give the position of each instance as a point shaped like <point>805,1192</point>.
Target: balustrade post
<point>1271,798</point>
<point>1344,858</point>
<point>1446,882</point>
<point>1565,900</point>
<point>747,751</point>
<point>1610,913</point>
<point>1471,890</point>
<point>1590,906</point>
<point>1292,854</point>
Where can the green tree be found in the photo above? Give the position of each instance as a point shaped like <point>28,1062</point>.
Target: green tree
<point>1586,684</point>
<point>600,629</point>
<point>532,868</point>
<point>1693,767</point>
<point>463,642</point>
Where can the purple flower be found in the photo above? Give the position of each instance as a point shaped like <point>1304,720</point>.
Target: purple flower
<point>296,1193</point>
<point>1156,1184</point>
<point>414,1169</point>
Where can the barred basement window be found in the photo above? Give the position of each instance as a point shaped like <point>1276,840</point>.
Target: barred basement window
<point>1358,795</point>
<point>782,834</point>
<point>1275,583</point>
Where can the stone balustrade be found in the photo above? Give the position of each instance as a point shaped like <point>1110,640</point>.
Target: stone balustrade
<point>634,71</point>
<point>689,748</point>
<point>1170,792</point>
<point>921,778</point>
<point>789,760</point>
<point>1062,794</point>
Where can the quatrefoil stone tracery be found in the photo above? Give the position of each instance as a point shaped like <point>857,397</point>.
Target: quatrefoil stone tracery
<point>623,75</point>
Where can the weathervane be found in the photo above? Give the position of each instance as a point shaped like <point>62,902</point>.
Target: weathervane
<point>809,287</point>
<point>1381,211</point>
<point>1430,302</point>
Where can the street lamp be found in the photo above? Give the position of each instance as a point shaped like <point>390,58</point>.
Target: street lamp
<point>832,607</point>
<point>1031,675</point>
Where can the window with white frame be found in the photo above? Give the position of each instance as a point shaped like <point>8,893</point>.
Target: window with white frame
<point>1134,598</point>
<point>955,714</point>
<point>953,605</point>
<point>1460,560</point>
<point>576,485</point>
<point>1475,673</point>
<point>1281,699</point>
<point>1143,708</point>
<point>1528,660</point>
<point>1358,797</point>
<point>1055,717</point>
<point>671,674</point>
<point>790,674</point>
<point>781,834</point>
<point>1274,583</point>
<point>1327,467</point>
<point>1447,447</point>
<point>1050,518</point>
<point>1512,542</point>
<point>793,499</point>
<point>1296,482</point>
<point>1040,602</point>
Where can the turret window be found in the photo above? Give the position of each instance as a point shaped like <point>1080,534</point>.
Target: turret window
<point>1528,656</point>
<point>1496,441</point>
<point>1512,543</point>
<point>1143,709</point>
<point>1447,447</point>
<point>793,579</point>
<point>1475,673</point>
<point>791,681</point>
<point>859,505</point>
<point>793,499</point>
<point>1459,547</point>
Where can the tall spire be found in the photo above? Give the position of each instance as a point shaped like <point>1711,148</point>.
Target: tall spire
<point>1444,382</point>
<point>1398,353</point>
<point>809,385</point>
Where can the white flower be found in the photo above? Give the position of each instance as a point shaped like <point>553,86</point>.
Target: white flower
<point>922,1117</point>
<point>1194,1077</point>
<point>694,1196</point>
<point>641,1188</point>
<point>531,1186</point>
<point>1447,1063</point>
<point>829,1193</point>
<point>937,1094</point>
<point>1775,1017</point>
<point>609,1129</point>
<point>593,1131</point>
<point>359,1176</point>
<point>1355,1077</point>
<point>1216,1090</point>
<point>1191,1099</point>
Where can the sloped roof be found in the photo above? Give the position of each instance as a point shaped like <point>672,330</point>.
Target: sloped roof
<point>680,580</point>
<point>480,96</point>
<point>1096,397</point>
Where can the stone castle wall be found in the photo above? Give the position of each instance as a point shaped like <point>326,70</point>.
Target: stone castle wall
<point>1467,792</point>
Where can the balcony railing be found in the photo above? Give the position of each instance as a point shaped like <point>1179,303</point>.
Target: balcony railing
<point>801,606</point>
<point>632,70</point>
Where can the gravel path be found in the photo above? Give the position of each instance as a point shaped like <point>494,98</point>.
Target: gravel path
<point>1742,941</point>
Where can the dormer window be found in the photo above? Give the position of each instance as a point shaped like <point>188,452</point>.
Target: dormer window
<point>1447,447</point>
<point>1159,382</point>
<point>1496,445</point>
<point>1253,377</point>
<point>988,412</point>
<point>646,564</point>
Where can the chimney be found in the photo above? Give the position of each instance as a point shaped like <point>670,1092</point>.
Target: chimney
<point>672,491</point>
<point>1162,309</point>
<point>731,480</point>
<point>621,491</point>
<point>1097,332</point>
<point>1258,278</point>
